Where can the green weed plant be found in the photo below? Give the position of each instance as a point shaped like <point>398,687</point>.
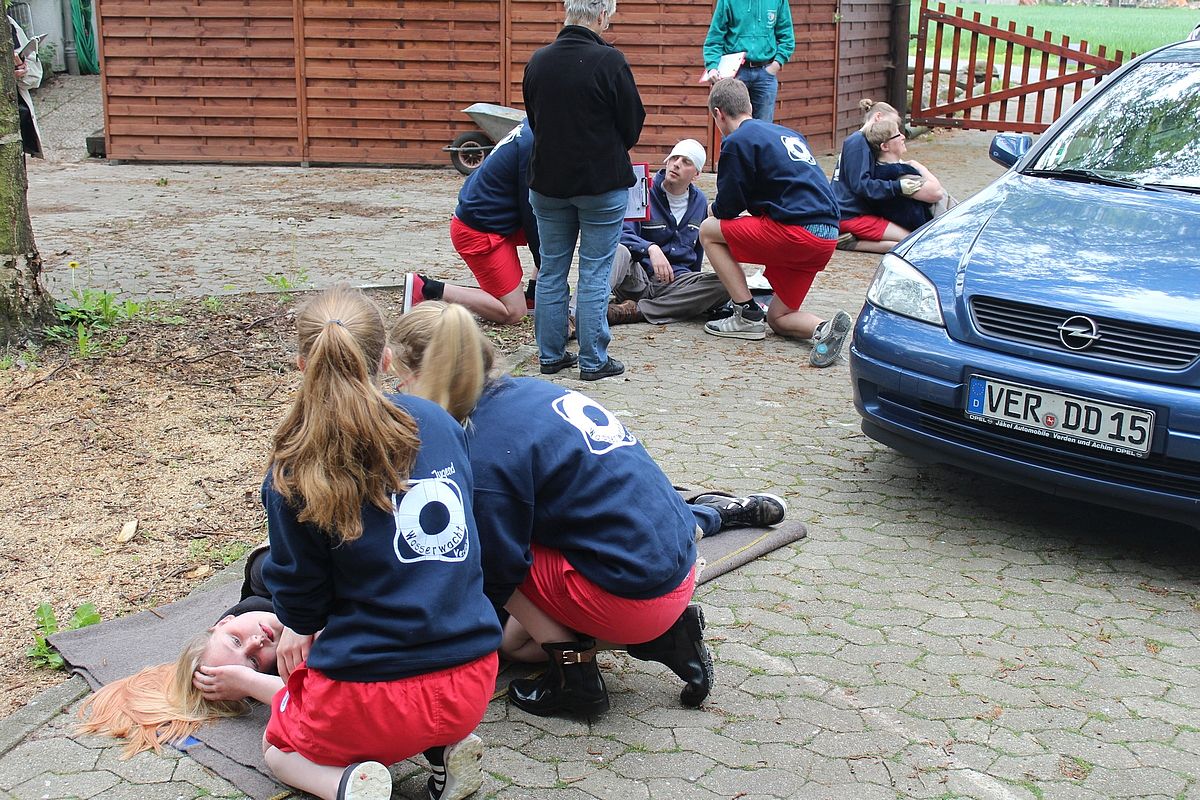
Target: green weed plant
<point>88,314</point>
<point>40,652</point>
<point>287,284</point>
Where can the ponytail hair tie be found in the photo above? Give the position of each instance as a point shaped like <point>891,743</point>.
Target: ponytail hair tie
<point>337,322</point>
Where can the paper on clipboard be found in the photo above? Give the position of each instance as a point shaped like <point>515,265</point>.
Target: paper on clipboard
<point>727,67</point>
<point>31,47</point>
<point>638,207</point>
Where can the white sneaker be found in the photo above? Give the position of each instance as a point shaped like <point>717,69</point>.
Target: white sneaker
<point>461,773</point>
<point>368,780</point>
<point>736,326</point>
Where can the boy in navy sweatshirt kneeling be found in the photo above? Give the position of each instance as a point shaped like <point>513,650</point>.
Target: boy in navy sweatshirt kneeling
<point>792,227</point>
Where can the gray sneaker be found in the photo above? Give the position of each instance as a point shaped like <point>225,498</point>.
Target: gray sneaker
<point>828,340</point>
<point>737,327</point>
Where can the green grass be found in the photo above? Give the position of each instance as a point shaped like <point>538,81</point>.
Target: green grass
<point>1133,30</point>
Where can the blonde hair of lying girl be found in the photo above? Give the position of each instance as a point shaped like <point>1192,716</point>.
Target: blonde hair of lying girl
<point>213,677</point>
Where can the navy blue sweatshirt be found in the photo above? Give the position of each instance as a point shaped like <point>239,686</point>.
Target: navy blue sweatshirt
<point>769,170</point>
<point>858,190</point>
<point>407,597</point>
<point>554,467</point>
<point>495,198</point>
<point>680,241</point>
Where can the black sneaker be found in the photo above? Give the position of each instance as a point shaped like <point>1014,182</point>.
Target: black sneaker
<point>719,311</point>
<point>611,368</point>
<point>566,362</point>
<point>752,511</point>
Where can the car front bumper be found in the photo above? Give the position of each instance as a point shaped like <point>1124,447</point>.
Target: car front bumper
<point>910,388</point>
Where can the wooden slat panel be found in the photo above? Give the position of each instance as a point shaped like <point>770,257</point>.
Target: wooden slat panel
<point>138,69</point>
<point>864,63</point>
<point>205,79</point>
<point>391,76</point>
<point>386,81</point>
<point>227,129</point>
<point>215,28</point>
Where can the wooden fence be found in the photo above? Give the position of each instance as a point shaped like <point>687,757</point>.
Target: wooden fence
<point>385,81</point>
<point>1004,80</point>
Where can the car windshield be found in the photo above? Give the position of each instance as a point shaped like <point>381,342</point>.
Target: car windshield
<point>1144,129</point>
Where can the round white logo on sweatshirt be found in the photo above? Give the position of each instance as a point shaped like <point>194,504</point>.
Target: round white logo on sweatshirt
<point>797,150</point>
<point>431,522</point>
<point>602,432</point>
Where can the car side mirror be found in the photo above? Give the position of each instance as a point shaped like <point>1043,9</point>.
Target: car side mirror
<point>1008,148</point>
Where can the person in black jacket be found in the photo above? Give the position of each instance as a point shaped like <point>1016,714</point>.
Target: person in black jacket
<point>584,105</point>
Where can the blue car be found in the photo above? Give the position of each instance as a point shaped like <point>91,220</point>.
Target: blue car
<point>1047,331</point>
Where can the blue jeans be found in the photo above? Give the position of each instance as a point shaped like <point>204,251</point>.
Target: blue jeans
<point>763,88</point>
<point>707,517</point>
<point>595,221</point>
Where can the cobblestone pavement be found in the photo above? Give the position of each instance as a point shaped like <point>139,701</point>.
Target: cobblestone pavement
<point>938,635</point>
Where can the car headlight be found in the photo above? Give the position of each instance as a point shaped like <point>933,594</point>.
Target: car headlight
<point>900,288</point>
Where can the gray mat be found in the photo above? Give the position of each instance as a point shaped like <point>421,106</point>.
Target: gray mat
<point>102,653</point>
<point>730,548</point>
<point>232,748</point>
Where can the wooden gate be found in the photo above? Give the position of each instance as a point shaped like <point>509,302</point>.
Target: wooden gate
<point>996,78</point>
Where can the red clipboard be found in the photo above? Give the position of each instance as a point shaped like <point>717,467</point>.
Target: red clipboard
<point>638,207</point>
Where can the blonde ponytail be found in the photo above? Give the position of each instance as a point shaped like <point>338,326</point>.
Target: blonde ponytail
<point>343,444</point>
<point>870,108</point>
<point>441,344</point>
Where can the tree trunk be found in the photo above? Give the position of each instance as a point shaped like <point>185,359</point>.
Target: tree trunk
<point>24,303</point>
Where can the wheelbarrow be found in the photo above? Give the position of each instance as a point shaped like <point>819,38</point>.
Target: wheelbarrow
<point>468,150</point>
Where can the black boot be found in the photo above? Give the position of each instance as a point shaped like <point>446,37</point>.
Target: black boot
<point>682,649</point>
<point>571,684</point>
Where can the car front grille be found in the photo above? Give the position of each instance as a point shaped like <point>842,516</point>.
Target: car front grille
<point>1129,343</point>
<point>1155,472</point>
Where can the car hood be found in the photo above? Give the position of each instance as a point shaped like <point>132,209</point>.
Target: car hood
<point>1085,248</point>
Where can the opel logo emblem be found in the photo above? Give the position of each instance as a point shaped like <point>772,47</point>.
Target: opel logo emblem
<point>1078,333</point>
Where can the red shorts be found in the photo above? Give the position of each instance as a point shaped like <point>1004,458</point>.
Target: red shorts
<point>492,258</point>
<point>337,723</point>
<point>791,255</point>
<point>867,227</point>
<point>558,589</point>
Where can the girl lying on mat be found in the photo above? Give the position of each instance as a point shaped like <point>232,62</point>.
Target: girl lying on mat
<point>216,673</point>
<point>585,539</point>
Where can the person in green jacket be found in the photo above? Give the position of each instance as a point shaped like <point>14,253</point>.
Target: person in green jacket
<point>762,29</point>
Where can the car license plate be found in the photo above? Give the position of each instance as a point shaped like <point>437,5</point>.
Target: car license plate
<point>1060,417</point>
